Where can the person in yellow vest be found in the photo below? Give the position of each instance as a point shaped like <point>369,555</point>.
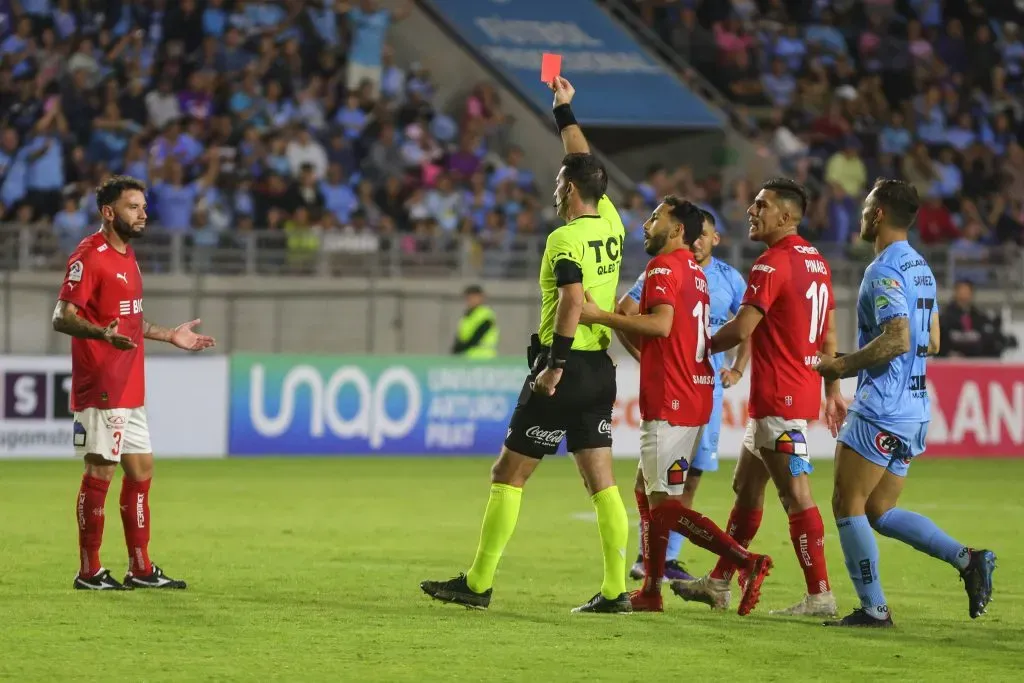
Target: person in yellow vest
<point>477,337</point>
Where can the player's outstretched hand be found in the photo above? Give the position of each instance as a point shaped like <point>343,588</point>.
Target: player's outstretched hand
<point>590,313</point>
<point>118,341</point>
<point>563,90</point>
<point>185,337</point>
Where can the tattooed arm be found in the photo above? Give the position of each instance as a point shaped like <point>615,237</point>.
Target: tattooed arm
<point>156,332</point>
<point>67,321</point>
<point>894,341</point>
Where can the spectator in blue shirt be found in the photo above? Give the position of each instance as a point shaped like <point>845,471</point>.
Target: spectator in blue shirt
<point>351,117</point>
<point>950,180</point>
<point>894,138</point>
<point>790,48</point>
<point>176,199</point>
<point>370,26</point>
<point>215,18</point>
<point>70,225</point>
<point>779,84</point>
<point>339,199</point>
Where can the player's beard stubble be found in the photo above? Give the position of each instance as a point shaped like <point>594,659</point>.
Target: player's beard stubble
<point>124,229</point>
<point>654,244</point>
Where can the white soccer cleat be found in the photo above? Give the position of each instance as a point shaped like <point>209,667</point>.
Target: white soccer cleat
<point>712,592</point>
<point>819,605</point>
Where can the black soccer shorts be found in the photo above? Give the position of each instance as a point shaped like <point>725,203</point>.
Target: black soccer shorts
<point>580,411</point>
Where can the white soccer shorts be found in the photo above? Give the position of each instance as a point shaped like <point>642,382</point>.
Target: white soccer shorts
<point>666,452</point>
<point>109,433</point>
<point>777,434</point>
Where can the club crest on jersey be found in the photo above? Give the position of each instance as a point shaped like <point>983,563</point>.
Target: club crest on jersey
<point>75,271</point>
<point>676,474</point>
<point>886,443</point>
<point>792,442</point>
<point>130,307</point>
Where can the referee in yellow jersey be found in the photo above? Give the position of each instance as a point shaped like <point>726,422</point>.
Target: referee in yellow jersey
<point>570,391</point>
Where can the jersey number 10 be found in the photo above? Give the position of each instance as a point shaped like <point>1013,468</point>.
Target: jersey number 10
<point>702,312</point>
<point>818,295</point>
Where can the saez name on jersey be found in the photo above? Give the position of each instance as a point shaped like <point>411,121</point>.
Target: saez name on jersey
<point>130,307</point>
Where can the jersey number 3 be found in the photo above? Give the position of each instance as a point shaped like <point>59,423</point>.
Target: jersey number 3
<point>818,295</point>
<point>702,312</point>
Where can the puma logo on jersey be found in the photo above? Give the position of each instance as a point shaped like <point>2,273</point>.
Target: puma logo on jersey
<point>661,289</point>
<point>122,276</point>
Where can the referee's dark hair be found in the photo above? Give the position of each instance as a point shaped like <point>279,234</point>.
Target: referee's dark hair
<point>899,200</point>
<point>688,215</point>
<point>112,189</point>
<point>789,190</point>
<point>587,174</point>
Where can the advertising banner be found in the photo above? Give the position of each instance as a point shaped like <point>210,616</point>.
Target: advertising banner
<point>977,411</point>
<point>619,82</point>
<point>362,405</point>
<point>186,400</point>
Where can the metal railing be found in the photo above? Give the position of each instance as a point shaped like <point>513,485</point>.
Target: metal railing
<point>513,257</point>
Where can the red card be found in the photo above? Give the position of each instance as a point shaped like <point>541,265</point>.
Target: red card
<point>550,67</point>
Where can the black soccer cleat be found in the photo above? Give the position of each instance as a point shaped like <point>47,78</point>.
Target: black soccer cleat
<point>977,578</point>
<point>602,605</point>
<point>102,581</point>
<point>457,592</point>
<point>155,579</point>
<point>858,618</point>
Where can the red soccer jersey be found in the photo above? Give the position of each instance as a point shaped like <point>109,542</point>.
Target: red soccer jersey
<point>105,284</point>
<point>792,285</point>
<point>677,382</point>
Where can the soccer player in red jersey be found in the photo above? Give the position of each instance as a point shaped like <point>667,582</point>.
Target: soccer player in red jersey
<point>788,313</point>
<point>100,307</point>
<point>677,386</point>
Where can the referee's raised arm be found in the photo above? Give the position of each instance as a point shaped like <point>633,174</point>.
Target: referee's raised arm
<point>573,139</point>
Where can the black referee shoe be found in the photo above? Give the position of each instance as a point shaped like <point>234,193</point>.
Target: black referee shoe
<point>602,605</point>
<point>457,592</point>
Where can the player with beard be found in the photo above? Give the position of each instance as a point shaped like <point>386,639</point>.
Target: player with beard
<point>788,314</point>
<point>100,307</point>
<point>898,319</point>
<point>677,383</point>
<point>726,287</point>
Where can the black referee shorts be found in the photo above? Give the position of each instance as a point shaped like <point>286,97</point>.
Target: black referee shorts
<point>579,412</point>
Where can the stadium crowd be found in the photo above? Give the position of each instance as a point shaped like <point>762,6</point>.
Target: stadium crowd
<point>294,119</point>
<point>290,117</point>
<point>844,91</point>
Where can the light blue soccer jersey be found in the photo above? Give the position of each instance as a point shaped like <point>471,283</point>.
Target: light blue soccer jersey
<point>897,284</point>
<point>726,287</point>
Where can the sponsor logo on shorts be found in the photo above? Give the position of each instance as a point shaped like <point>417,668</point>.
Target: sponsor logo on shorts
<point>78,430</point>
<point>604,427</point>
<point>115,421</point>
<point>676,475</point>
<point>886,443</point>
<point>792,442</point>
<point>551,437</point>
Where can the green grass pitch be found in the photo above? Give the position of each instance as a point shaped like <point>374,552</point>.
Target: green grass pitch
<point>308,569</point>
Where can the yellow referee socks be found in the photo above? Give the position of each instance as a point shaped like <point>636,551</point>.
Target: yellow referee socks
<point>614,527</point>
<point>499,522</point>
